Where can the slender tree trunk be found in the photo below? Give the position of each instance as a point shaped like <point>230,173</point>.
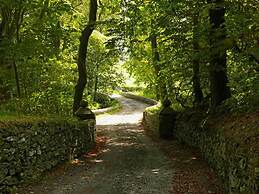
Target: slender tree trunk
<point>160,84</point>
<point>17,79</point>
<point>25,90</point>
<point>96,81</point>
<point>197,91</point>
<point>156,58</point>
<point>2,25</point>
<point>12,19</point>
<point>220,90</point>
<point>81,63</point>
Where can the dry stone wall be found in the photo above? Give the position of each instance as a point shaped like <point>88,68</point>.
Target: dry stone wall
<point>31,146</point>
<point>231,149</point>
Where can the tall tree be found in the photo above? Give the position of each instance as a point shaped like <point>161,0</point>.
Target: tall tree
<point>220,90</point>
<point>160,85</point>
<point>81,63</point>
<point>11,17</point>
<point>197,91</point>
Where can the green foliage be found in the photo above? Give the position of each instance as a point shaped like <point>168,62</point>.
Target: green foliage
<point>44,50</point>
<point>41,41</point>
<point>154,109</point>
<point>104,100</point>
<point>172,23</point>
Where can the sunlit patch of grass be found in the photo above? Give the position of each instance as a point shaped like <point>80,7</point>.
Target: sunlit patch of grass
<point>144,94</point>
<point>117,108</point>
<point>154,109</point>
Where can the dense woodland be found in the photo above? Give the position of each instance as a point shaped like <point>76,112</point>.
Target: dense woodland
<point>53,53</point>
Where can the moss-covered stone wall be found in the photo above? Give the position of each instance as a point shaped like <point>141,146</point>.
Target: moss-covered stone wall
<point>229,144</point>
<point>30,146</point>
<point>151,121</point>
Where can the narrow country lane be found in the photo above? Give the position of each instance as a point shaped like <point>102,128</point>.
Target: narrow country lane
<point>128,163</point>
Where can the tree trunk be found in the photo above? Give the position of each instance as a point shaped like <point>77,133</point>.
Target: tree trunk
<point>2,25</point>
<point>81,63</point>
<point>197,91</point>
<point>96,81</point>
<point>220,90</point>
<point>17,79</point>
<point>160,84</point>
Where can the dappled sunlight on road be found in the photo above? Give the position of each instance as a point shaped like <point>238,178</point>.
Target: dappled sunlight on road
<point>120,119</point>
<point>125,161</point>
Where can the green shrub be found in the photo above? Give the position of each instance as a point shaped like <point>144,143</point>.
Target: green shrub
<point>104,100</point>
